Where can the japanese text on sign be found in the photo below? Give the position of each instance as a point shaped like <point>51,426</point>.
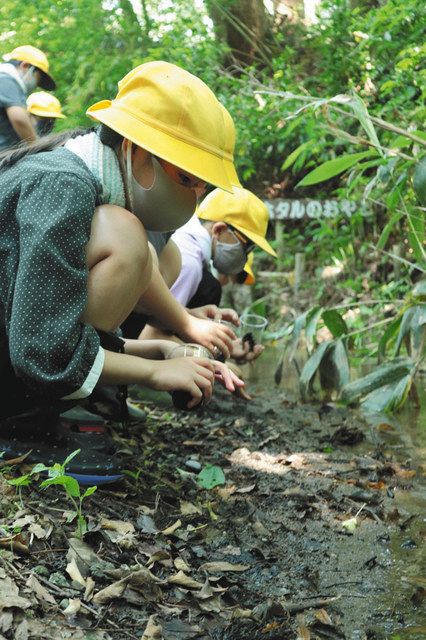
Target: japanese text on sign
<point>280,209</point>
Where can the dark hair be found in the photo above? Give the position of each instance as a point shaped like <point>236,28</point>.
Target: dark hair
<point>11,156</point>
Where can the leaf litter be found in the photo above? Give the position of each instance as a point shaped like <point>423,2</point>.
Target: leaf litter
<point>253,546</point>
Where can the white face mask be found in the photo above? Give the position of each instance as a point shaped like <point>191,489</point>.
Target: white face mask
<point>229,259</point>
<point>165,205</point>
<point>30,80</point>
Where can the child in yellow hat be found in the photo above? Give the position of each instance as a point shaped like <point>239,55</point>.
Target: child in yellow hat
<point>24,69</point>
<point>44,110</point>
<point>75,213</point>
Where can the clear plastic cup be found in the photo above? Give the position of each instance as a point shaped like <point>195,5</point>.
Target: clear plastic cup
<point>181,398</point>
<point>253,326</point>
<point>189,350</point>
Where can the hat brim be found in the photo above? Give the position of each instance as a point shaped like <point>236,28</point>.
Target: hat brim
<point>232,174</point>
<point>256,238</point>
<point>46,114</point>
<point>46,82</point>
<point>203,164</point>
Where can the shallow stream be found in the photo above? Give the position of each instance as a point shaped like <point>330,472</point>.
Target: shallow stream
<point>403,438</point>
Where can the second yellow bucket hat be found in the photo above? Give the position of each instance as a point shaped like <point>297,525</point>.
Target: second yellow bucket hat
<point>240,209</point>
<point>36,57</point>
<point>41,103</point>
<point>174,115</point>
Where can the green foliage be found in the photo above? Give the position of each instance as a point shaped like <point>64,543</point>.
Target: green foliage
<point>210,476</point>
<point>57,476</point>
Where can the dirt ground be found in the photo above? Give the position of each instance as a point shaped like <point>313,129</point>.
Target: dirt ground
<point>263,556</point>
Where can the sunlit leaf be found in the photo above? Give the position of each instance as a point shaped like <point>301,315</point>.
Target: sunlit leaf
<point>294,155</point>
<point>360,110</point>
<point>332,168</point>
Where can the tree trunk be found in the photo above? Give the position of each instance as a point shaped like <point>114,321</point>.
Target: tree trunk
<point>243,25</point>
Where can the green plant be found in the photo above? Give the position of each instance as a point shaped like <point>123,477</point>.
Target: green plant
<point>57,476</point>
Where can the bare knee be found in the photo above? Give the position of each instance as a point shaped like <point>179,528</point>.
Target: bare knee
<point>119,236</point>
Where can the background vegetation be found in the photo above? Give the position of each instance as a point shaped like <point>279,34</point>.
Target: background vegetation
<point>279,74</point>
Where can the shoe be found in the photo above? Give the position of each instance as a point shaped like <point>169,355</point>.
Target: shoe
<point>25,435</point>
<point>104,402</point>
<point>80,415</point>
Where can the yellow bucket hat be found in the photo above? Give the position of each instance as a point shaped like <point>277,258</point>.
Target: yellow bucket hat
<point>248,268</point>
<point>36,57</point>
<point>45,105</point>
<point>242,210</point>
<point>230,138</point>
<point>174,115</point>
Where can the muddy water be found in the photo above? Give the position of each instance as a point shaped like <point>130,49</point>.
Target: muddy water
<point>401,438</point>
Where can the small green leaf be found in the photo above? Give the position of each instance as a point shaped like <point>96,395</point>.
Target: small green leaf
<point>294,155</point>
<point>404,328</point>
<point>211,476</point>
<point>70,457</point>
<point>332,168</point>
<point>334,323</point>
<point>89,491</point>
<point>309,370</point>
<point>311,326</point>
<point>384,236</point>
<point>22,481</point>
<point>419,181</point>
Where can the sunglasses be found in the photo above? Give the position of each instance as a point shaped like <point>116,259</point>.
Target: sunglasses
<point>246,242</point>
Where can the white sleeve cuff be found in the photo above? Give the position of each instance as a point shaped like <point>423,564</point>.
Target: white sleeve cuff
<point>91,380</point>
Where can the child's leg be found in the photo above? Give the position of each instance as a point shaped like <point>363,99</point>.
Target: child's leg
<point>120,267</point>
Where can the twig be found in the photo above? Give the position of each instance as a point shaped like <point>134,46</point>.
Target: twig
<point>293,607</point>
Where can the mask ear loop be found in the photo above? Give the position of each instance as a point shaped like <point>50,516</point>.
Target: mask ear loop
<point>129,174</point>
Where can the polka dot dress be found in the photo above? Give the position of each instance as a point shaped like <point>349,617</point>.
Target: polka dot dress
<point>47,201</point>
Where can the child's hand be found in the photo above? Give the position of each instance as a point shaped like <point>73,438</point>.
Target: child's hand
<point>241,352</point>
<point>212,312</point>
<point>209,334</point>
<point>194,375</point>
<point>226,376</point>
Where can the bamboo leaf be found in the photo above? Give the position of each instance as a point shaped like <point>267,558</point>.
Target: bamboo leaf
<point>334,323</point>
<point>309,370</point>
<point>390,397</point>
<point>311,326</point>
<point>294,155</point>
<point>360,110</point>
<point>332,168</point>
<point>334,367</point>
<point>383,375</point>
<point>390,332</point>
<point>384,236</point>
<point>404,328</point>
<point>299,324</point>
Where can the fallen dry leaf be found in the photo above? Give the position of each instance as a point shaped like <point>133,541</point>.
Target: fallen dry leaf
<point>112,592</point>
<point>41,592</point>
<point>90,585</point>
<point>181,565</point>
<point>241,613</point>
<point>247,489</point>
<point>183,580</point>
<point>73,607</point>
<point>117,525</point>
<point>74,573</point>
<point>323,617</point>
<point>169,530</point>
<point>189,509</point>
<point>303,633</point>
<point>223,566</point>
<point>152,630</point>
<point>21,631</point>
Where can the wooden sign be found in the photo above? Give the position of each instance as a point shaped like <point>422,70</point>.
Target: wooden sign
<point>281,209</point>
